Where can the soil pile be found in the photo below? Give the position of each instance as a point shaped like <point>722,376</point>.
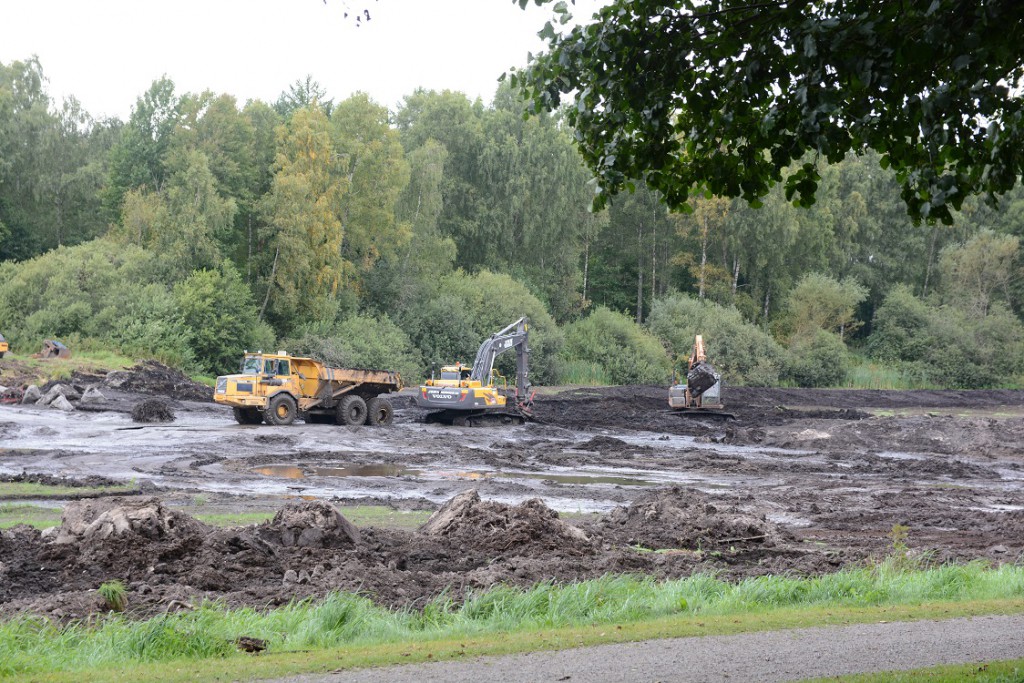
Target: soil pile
<point>104,518</point>
<point>310,524</point>
<point>92,481</point>
<point>491,527</point>
<point>152,410</point>
<point>688,519</point>
<point>151,377</point>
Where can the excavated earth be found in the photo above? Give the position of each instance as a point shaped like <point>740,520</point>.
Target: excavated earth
<point>605,480</point>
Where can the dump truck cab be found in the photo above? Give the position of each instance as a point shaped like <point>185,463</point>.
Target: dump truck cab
<point>278,388</point>
<point>4,346</point>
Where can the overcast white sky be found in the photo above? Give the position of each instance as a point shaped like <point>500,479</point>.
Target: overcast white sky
<point>108,52</point>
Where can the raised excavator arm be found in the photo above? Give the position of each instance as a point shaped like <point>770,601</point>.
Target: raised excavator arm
<point>515,336</point>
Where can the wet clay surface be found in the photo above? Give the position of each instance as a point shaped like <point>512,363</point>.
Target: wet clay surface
<point>801,482</point>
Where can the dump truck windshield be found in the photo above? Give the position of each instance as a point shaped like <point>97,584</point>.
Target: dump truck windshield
<point>251,366</point>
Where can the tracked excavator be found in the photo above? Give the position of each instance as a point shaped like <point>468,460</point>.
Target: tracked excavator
<point>477,396</point>
<point>701,393</point>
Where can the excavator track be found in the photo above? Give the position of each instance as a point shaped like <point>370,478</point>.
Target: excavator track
<point>460,418</point>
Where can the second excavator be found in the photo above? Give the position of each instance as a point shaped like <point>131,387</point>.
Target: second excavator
<point>478,396</point>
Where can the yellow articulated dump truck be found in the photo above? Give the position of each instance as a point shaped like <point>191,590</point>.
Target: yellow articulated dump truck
<point>4,346</point>
<point>277,388</point>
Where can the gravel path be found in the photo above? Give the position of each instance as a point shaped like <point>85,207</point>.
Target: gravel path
<point>765,656</point>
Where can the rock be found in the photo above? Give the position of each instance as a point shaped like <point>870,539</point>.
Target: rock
<point>811,435</point>
<point>58,390</point>
<point>291,576</point>
<point>62,403</point>
<point>32,394</point>
<point>92,395</point>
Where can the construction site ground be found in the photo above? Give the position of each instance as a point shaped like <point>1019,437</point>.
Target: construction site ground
<point>606,480</point>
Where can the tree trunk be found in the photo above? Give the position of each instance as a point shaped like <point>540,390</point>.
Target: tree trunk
<point>639,273</point>
<point>767,301</point>
<point>735,275</point>
<point>586,266</point>
<point>928,267</point>
<point>703,259</point>
<point>270,283</point>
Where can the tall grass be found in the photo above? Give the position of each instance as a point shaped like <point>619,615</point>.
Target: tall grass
<point>34,645</point>
<point>585,374</point>
<point>868,374</point>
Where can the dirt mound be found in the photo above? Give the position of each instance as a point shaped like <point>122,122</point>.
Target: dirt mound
<point>151,377</point>
<point>91,481</point>
<point>152,410</point>
<point>310,524</point>
<point>144,517</point>
<point>492,527</point>
<point>689,519</point>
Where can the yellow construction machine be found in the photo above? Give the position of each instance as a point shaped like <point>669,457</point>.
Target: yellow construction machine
<point>277,388</point>
<point>476,395</point>
<point>701,393</point>
<point>4,346</point>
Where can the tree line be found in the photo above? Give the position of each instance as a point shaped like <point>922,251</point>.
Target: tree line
<point>201,226</point>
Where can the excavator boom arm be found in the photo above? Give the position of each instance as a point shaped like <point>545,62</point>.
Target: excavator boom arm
<point>515,336</point>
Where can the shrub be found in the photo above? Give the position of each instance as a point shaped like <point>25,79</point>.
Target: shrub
<point>362,342</point>
<point>742,352</point>
<point>626,352</point>
<point>901,328</point>
<point>218,318</point>
<point>821,361</point>
<point>452,326</point>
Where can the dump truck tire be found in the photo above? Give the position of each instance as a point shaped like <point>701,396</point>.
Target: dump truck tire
<point>351,411</point>
<point>282,410</point>
<point>247,416</point>
<point>379,412</point>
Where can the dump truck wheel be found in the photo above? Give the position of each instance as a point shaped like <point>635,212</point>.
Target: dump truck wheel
<point>282,410</point>
<point>351,410</point>
<point>379,412</point>
<point>247,416</point>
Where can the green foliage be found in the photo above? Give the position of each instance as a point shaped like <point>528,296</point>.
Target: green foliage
<point>820,302</point>
<point>900,328</point>
<point>218,319</point>
<point>625,352</point>
<point>743,353</point>
<point>452,326</point>
<point>967,353</point>
<point>950,346</point>
<point>818,361</point>
<point>362,341</point>
<point>584,374</point>
<point>979,271</point>
<point>114,594</point>
<point>724,97</point>
<point>30,646</point>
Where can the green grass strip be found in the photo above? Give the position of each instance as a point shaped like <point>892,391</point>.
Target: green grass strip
<point>606,609</point>
<point>1007,671</point>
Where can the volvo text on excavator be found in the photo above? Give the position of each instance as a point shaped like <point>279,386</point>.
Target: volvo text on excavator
<point>477,396</point>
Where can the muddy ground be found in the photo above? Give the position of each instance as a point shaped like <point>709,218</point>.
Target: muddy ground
<point>606,480</point>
